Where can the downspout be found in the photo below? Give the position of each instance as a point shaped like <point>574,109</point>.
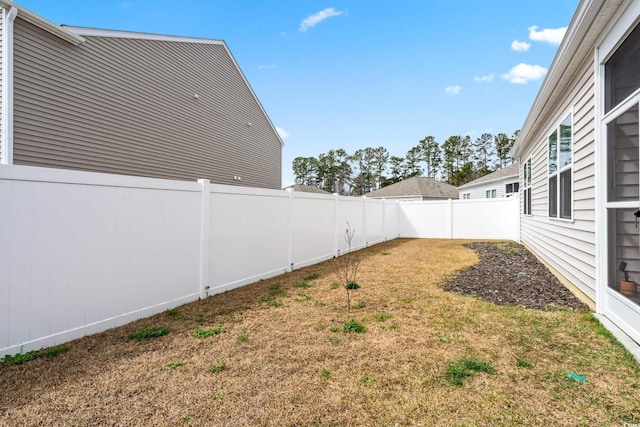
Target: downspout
<point>6,109</point>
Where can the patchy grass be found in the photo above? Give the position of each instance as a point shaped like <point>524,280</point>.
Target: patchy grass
<point>19,358</point>
<point>147,333</point>
<point>299,368</point>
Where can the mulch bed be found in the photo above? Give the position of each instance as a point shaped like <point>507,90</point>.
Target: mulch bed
<point>508,274</point>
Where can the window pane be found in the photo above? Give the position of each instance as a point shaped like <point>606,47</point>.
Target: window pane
<point>565,194</point>
<point>553,152</point>
<point>553,196</point>
<point>528,171</point>
<point>509,188</point>
<point>622,71</point>
<point>565,142</point>
<point>527,202</point>
<point>622,157</point>
<point>516,187</point>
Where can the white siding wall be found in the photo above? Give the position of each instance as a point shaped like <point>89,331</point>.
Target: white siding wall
<point>568,246</point>
<point>480,191</point>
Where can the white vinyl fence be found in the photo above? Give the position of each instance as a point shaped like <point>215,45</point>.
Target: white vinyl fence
<point>461,219</point>
<point>83,252</point>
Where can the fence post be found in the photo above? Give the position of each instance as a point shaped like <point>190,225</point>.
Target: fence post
<point>450,218</point>
<point>205,231</point>
<point>384,220</point>
<point>290,232</point>
<point>364,222</point>
<point>336,205</point>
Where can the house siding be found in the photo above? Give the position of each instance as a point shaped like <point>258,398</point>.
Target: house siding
<point>3,14</point>
<point>128,106</point>
<point>568,246</point>
<point>480,191</point>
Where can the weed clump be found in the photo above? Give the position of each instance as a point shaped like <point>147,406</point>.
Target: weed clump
<point>465,368</point>
<point>20,358</point>
<point>148,333</point>
<point>353,326</point>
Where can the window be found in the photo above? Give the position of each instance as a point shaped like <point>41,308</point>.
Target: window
<point>559,173</point>
<point>466,196</point>
<point>622,71</point>
<point>491,194</point>
<point>511,188</point>
<point>526,183</point>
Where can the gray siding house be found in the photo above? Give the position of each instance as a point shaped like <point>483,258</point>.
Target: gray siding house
<point>130,103</point>
<point>501,183</point>
<point>579,153</point>
<point>415,189</point>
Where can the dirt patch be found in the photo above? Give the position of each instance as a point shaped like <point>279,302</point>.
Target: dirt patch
<point>508,274</point>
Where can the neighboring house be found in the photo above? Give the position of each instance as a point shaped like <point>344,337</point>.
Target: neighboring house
<point>130,103</point>
<point>306,189</point>
<point>416,188</point>
<point>501,183</point>
<point>579,154</point>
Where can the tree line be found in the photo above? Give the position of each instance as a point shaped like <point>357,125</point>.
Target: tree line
<point>457,160</point>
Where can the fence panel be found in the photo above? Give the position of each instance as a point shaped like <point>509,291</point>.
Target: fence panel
<point>249,235</point>
<point>428,219</point>
<point>350,211</point>
<point>314,225</point>
<point>375,221</point>
<point>83,252</point>
<point>486,218</point>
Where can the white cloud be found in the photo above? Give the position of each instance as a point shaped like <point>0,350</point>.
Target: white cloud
<point>267,67</point>
<point>484,79</point>
<point>317,18</point>
<point>523,73</point>
<point>283,133</point>
<point>453,90</point>
<point>519,46</point>
<point>547,35</point>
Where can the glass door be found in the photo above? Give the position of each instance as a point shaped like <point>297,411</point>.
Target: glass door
<point>623,215</point>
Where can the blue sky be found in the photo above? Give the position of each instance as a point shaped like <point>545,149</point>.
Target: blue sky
<point>353,73</point>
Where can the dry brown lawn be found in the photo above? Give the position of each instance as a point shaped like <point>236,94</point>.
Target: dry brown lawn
<point>292,365</point>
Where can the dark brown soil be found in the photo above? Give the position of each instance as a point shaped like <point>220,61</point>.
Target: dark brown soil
<point>508,274</point>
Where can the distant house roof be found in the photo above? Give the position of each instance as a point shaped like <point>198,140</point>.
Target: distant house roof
<point>307,189</point>
<point>416,187</point>
<point>504,173</point>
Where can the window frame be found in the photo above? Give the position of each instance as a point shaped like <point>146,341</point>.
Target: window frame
<point>491,193</point>
<point>466,196</point>
<point>559,175</point>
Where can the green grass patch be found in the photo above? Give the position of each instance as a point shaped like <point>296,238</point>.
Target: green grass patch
<point>175,365</point>
<point>353,326</point>
<point>147,333</point>
<point>520,363</point>
<point>464,368</point>
<point>206,333</point>
<point>335,285</point>
<point>312,276</point>
<point>20,358</point>
<point>172,312</point>
<point>303,284</point>
<point>277,291</point>
<point>217,367</point>
<point>383,317</point>
<point>352,285</point>
<point>243,337</point>
<point>325,373</point>
<point>360,305</point>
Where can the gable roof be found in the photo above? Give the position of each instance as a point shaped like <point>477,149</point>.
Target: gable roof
<point>306,189</point>
<point>416,187</point>
<point>511,171</point>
